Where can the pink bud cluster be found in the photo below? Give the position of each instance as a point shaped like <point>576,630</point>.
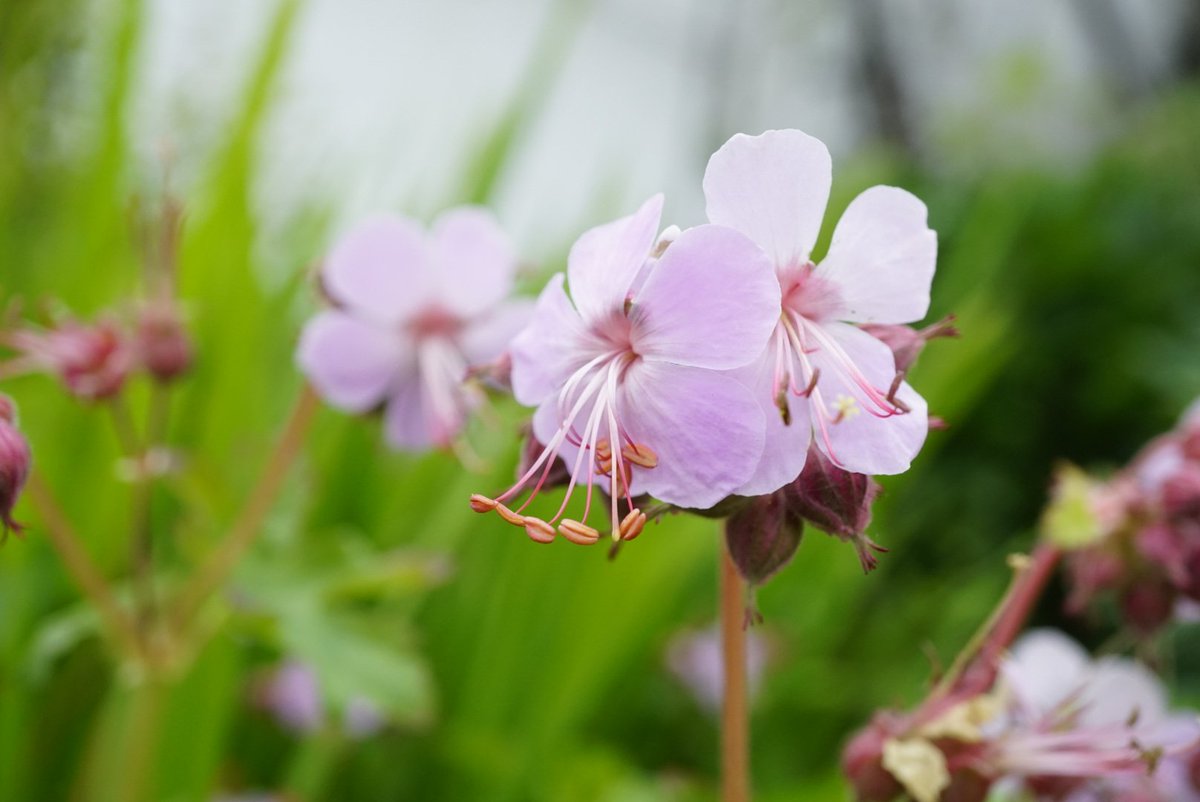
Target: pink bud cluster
<point>1148,516</point>
<point>14,465</point>
<point>94,360</point>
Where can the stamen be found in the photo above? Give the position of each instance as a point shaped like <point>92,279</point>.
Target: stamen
<point>579,533</point>
<point>481,503</point>
<point>640,454</point>
<point>538,530</point>
<point>781,403</point>
<point>812,384</point>
<point>513,518</point>
<point>632,524</point>
<point>847,408</point>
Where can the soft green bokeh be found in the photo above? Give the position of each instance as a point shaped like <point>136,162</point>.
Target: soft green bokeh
<point>514,672</point>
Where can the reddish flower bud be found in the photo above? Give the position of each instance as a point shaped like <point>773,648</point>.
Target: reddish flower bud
<point>93,361</point>
<point>162,343</point>
<point>14,466</point>
<point>837,502</point>
<point>1148,605</point>
<point>763,536</point>
<point>906,342</point>
<point>1181,492</point>
<point>862,763</point>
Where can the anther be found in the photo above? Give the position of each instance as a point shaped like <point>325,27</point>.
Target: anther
<point>632,524</point>
<point>603,450</point>
<point>812,383</point>
<point>579,533</point>
<point>891,396</point>
<point>514,518</point>
<point>781,402</point>
<point>640,454</point>
<point>481,503</point>
<point>538,530</point>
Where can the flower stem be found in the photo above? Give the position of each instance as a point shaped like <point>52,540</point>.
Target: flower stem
<point>735,725</point>
<point>80,566</point>
<point>213,573</point>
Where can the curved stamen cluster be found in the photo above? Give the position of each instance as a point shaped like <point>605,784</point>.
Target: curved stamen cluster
<point>590,396</point>
<point>797,339</point>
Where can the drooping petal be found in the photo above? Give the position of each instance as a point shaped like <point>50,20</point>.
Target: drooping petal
<point>773,188</point>
<point>862,442</point>
<point>472,261</point>
<point>547,351</point>
<point>379,268</point>
<point>786,446</point>
<point>711,301</point>
<point>882,257</point>
<point>486,337</point>
<point>605,260</point>
<point>705,427</point>
<point>408,420</point>
<point>350,362</point>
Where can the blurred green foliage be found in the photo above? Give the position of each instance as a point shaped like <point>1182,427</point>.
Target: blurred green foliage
<point>537,673</point>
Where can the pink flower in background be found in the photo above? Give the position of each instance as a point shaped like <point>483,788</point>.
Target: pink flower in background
<point>821,376</point>
<point>626,371</point>
<point>15,461</point>
<point>93,360</point>
<point>694,657</point>
<point>412,311</point>
<point>292,693</point>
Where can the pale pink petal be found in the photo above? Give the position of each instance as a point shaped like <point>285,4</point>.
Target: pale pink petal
<point>711,301</point>
<point>773,188</point>
<point>786,446</point>
<point>1117,690</point>
<point>863,442</point>
<point>547,351</point>
<point>408,421</point>
<point>472,261</point>
<point>1044,669</point>
<point>488,336</point>
<point>379,268</point>
<point>349,361</point>
<point>605,260</point>
<point>705,427</point>
<point>882,258</point>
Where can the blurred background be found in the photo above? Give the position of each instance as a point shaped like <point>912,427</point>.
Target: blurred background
<point>381,642</point>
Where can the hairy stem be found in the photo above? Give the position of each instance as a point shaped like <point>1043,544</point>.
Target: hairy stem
<point>213,573</point>
<point>735,725</point>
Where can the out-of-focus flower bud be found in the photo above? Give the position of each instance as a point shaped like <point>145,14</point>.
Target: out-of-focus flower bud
<point>906,342</point>
<point>836,501</point>
<point>92,360</point>
<point>862,762</point>
<point>967,785</point>
<point>1181,492</point>
<point>763,536</point>
<point>14,466</point>
<point>162,343</point>
<point>1148,605</point>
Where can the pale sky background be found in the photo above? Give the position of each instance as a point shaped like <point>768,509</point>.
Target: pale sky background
<point>379,101</point>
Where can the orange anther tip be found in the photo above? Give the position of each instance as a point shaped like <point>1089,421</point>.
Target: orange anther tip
<point>513,518</point>
<point>578,533</point>
<point>481,503</point>
<point>538,530</point>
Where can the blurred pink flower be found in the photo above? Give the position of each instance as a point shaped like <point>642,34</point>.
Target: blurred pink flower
<point>627,371</point>
<point>694,656</point>
<point>93,360</point>
<point>820,375</point>
<point>292,693</point>
<point>413,310</point>
<point>15,460</point>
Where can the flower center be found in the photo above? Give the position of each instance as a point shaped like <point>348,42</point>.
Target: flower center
<point>589,421</point>
<point>809,295</point>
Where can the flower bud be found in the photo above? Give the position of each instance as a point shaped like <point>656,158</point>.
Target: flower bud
<point>93,360</point>
<point>15,459</point>
<point>763,536</point>
<point>1148,605</point>
<point>906,342</point>
<point>836,501</point>
<point>162,342</point>
<point>862,763</point>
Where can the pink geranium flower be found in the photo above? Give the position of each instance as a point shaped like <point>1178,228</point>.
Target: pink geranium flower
<point>626,371</point>
<point>820,374</point>
<point>412,311</point>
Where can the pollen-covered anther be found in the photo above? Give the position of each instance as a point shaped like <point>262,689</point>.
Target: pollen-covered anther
<point>481,503</point>
<point>891,396</point>
<point>632,524</point>
<point>781,403</point>
<point>514,518</point>
<point>578,533</point>
<point>539,531</point>
<point>640,454</point>
<point>812,383</point>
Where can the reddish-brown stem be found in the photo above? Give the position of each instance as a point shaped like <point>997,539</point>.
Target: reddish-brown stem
<point>213,573</point>
<point>735,724</point>
<point>79,565</point>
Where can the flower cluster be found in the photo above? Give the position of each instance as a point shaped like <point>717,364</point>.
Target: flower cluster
<point>94,360</point>
<point>1141,530</point>
<point>700,364</point>
<point>1054,726</point>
